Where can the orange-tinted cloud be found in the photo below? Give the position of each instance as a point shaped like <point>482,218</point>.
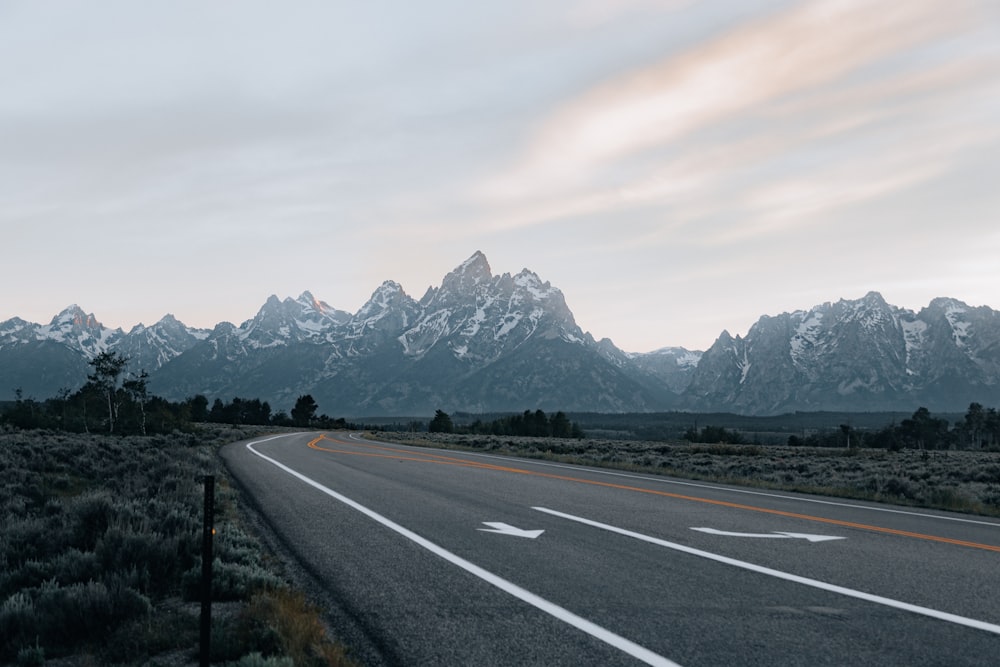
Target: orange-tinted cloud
<point>650,121</point>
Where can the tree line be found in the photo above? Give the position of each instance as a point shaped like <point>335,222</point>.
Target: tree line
<point>714,434</point>
<point>978,429</point>
<point>531,424</point>
<point>116,401</point>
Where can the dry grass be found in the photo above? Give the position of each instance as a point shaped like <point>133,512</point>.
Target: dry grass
<point>296,622</point>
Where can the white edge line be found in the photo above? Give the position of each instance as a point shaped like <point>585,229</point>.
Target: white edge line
<point>664,480</point>
<point>815,583</point>
<point>564,615</point>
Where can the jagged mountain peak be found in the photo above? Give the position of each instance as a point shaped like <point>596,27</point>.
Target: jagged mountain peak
<point>872,301</point>
<point>272,313</point>
<point>79,331</point>
<point>529,280</point>
<point>170,320</point>
<point>223,329</point>
<point>476,264</point>
<point>13,324</point>
<point>281,322</point>
<point>74,316</point>
<point>167,323</point>
<point>150,347</point>
<point>305,304</point>
<point>873,298</point>
<point>855,354</point>
<point>388,293</point>
<point>481,317</point>
<point>468,275</point>
<point>311,303</point>
<point>948,304</point>
<point>871,313</point>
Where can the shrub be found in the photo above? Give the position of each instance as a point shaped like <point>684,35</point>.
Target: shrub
<point>70,616</point>
<point>92,511</point>
<point>276,622</point>
<point>100,534</point>
<point>17,622</point>
<point>257,660</point>
<point>31,656</point>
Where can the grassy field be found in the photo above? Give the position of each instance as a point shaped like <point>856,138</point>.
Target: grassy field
<point>100,558</point>
<point>962,481</point>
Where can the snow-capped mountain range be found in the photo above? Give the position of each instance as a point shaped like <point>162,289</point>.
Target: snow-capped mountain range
<point>862,355</point>
<point>484,343</point>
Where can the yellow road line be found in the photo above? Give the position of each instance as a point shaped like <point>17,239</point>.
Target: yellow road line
<point>441,459</point>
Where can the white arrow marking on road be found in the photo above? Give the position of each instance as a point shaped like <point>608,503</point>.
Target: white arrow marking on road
<point>775,535</point>
<point>507,529</point>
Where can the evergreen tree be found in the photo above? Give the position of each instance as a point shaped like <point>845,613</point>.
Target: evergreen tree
<point>199,408</point>
<point>560,425</point>
<point>924,431</point>
<point>441,423</point>
<point>217,415</point>
<point>304,410</point>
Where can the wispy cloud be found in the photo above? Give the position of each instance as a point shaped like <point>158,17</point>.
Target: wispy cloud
<point>649,157</point>
<point>813,73</point>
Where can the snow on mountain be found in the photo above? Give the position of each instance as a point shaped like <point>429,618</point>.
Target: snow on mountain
<point>672,366</point>
<point>479,316</point>
<point>485,342</point>
<point>954,312</point>
<point>914,339</point>
<point>380,320</point>
<point>16,331</point>
<point>281,322</point>
<point>807,335</point>
<point>149,348</point>
<point>861,354</point>
<point>477,340</point>
<point>80,331</point>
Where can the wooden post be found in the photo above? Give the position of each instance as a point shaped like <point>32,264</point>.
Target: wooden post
<point>208,531</point>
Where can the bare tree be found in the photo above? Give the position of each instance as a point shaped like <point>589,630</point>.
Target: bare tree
<point>108,369</point>
<point>137,389</point>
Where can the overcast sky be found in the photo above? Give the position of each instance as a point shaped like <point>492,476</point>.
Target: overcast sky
<point>675,167</point>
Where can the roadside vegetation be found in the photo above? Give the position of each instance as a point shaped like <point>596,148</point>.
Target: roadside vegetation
<point>100,557</point>
<point>101,504</point>
<point>923,461</point>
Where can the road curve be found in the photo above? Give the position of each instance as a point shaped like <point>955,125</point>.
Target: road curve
<point>426,556</point>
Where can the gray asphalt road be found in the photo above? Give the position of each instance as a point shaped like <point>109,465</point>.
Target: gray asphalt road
<point>419,557</point>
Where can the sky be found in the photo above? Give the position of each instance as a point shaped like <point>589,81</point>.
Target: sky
<point>676,167</point>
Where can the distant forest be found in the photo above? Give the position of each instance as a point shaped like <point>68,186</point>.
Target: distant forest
<point>116,402</point>
<point>529,424</point>
<point>978,428</point>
